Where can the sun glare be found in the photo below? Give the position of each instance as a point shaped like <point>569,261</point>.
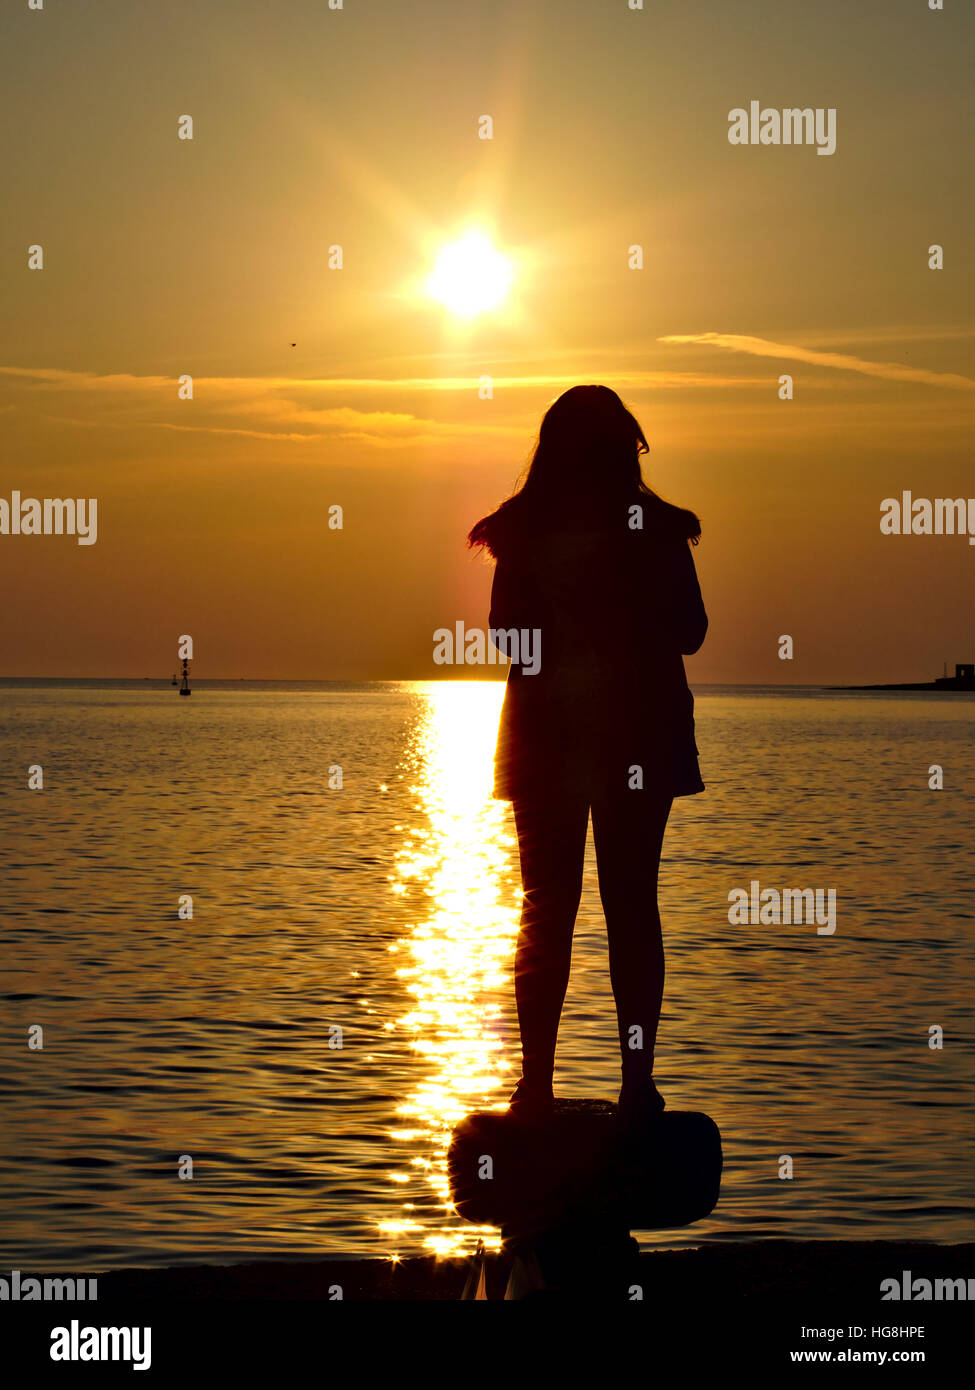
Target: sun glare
<point>470,277</point>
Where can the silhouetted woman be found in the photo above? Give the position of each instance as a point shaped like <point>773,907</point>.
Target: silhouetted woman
<point>599,568</point>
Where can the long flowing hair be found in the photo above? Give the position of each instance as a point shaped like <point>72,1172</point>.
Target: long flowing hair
<point>585,466</point>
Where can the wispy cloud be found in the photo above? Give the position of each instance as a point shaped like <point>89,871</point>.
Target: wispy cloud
<point>89,381</point>
<point>763,347</point>
<point>300,410</point>
<point>379,427</point>
<point>228,405</point>
<point>276,435</point>
<point>92,381</point>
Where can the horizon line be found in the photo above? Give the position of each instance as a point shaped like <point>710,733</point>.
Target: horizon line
<point>410,680</point>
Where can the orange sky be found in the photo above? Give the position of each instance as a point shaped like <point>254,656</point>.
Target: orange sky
<point>315,127</point>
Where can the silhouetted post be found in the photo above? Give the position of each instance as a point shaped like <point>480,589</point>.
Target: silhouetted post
<point>567,1193</point>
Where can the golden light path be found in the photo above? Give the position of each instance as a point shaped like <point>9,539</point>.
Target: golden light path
<point>458,958</point>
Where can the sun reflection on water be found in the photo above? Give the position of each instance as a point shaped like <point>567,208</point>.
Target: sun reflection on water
<point>458,957</point>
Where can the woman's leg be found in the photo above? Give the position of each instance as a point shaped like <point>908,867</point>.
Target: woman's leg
<point>628,829</point>
<point>551,844</point>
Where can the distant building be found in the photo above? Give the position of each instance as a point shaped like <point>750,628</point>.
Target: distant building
<point>963,679</point>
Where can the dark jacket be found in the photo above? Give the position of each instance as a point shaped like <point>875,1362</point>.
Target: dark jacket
<point>615,610</point>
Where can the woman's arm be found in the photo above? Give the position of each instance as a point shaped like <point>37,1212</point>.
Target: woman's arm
<point>502,598</point>
<point>686,617</point>
<point>505,606</point>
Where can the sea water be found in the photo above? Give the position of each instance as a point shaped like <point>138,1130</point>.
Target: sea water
<point>342,993</point>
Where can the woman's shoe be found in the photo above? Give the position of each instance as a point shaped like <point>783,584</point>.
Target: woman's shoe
<point>638,1105</point>
<point>531,1105</point>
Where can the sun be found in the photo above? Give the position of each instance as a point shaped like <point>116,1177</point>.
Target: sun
<point>470,277</point>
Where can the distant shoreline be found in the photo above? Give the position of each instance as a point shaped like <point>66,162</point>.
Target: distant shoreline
<point>962,683</point>
<point>285,682</point>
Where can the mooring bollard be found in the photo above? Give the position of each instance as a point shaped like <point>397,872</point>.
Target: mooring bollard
<point>566,1192</point>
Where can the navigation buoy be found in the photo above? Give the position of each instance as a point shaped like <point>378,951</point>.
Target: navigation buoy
<point>184,685</point>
